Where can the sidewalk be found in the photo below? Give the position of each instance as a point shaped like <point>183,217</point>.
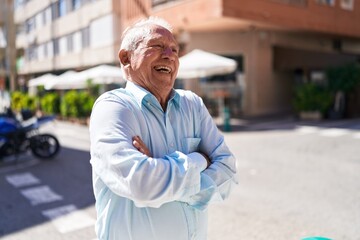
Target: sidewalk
<point>284,123</point>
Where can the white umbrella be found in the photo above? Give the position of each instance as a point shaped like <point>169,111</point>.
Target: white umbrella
<point>60,80</point>
<point>103,74</point>
<point>42,80</point>
<point>198,63</point>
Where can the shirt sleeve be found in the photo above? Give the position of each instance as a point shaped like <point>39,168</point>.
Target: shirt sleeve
<point>149,182</point>
<point>220,177</point>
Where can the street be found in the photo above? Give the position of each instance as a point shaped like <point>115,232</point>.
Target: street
<point>296,179</point>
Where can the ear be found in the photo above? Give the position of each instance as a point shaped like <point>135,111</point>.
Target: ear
<point>124,57</point>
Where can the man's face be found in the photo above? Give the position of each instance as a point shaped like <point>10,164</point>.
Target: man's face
<point>154,63</point>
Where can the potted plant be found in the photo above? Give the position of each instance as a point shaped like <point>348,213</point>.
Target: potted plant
<point>312,101</point>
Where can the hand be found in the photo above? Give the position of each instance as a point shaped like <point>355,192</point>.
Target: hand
<point>208,160</point>
<point>140,145</point>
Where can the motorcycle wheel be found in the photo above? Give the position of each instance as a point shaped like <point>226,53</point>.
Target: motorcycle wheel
<point>44,146</point>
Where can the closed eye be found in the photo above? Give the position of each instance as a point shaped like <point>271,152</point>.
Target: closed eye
<point>175,50</point>
<point>158,46</point>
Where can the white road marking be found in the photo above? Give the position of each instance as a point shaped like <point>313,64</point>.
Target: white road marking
<point>22,179</point>
<point>334,132</point>
<point>68,218</point>
<point>357,135</point>
<point>39,195</point>
<point>325,132</point>
<point>306,130</point>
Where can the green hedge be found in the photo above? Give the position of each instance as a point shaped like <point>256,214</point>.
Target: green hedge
<point>20,101</point>
<point>74,104</point>
<point>50,103</point>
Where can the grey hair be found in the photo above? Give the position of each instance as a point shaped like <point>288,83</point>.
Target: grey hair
<point>134,34</point>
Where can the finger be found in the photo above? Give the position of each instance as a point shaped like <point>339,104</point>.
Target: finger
<point>140,146</point>
<point>138,139</point>
<point>136,144</point>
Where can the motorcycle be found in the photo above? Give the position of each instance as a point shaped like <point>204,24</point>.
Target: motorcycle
<point>18,135</point>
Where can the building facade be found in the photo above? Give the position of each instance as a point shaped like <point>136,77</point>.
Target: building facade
<point>7,45</point>
<point>54,36</point>
<point>276,42</point>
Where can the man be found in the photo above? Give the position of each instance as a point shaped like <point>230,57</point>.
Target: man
<point>158,158</point>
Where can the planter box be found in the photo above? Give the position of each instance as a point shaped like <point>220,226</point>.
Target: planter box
<point>313,115</point>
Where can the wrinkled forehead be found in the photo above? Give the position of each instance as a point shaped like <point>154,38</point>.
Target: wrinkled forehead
<point>160,33</point>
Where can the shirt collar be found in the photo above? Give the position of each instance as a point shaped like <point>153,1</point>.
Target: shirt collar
<point>142,94</point>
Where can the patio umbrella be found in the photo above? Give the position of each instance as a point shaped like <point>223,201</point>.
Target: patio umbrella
<point>198,63</point>
<point>102,74</point>
<point>59,80</point>
<point>42,80</point>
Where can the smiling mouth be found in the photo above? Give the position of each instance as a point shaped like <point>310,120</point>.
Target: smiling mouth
<point>162,69</point>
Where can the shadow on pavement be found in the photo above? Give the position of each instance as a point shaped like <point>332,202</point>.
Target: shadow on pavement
<point>68,175</point>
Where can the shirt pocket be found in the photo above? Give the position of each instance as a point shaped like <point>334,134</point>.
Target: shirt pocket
<point>190,145</point>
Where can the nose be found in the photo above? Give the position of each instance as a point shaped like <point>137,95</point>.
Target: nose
<point>169,53</point>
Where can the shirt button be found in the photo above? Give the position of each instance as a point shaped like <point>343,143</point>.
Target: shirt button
<point>172,144</point>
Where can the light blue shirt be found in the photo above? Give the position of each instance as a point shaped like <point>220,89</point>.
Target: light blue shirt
<point>165,196</point>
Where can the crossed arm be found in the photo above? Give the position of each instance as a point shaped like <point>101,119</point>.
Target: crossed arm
<point>141,147</point>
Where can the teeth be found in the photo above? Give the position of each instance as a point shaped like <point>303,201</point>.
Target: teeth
<point>163,69</point>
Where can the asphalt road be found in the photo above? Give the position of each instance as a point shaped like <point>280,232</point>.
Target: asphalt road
<point>296,179</point>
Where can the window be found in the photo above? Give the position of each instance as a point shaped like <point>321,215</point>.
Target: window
<point>85,37</point>
<point>62,8</point>
<point>20,29</point>
<point>63,49</point>
<point>101,31</point>
<point>326,2</point>
<point>2,38</point>
<point>45,47</point>
<point>19,3</point>
<point>30,24</point>
<point>77,42</point>
<point>43,16</point>
<point>54,11</point>
<point>47,15</point>
<point>56,46</point>
<point>31,53</point>
<point>50,49</point>
<point>70,45</point>
<point>39,20</point>
<point>75,4</point>
<point>347,4</point>
<point>41,52</point>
